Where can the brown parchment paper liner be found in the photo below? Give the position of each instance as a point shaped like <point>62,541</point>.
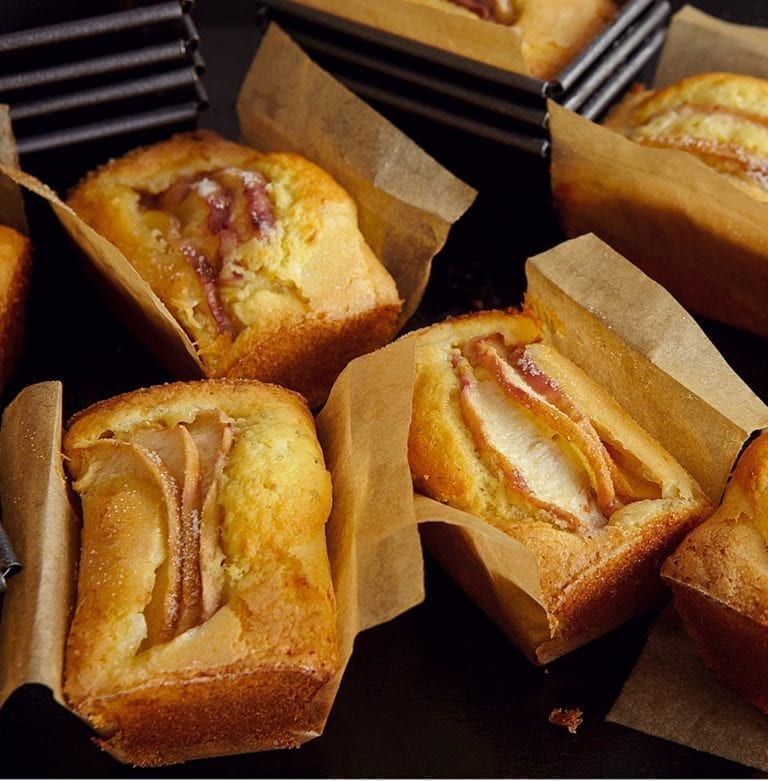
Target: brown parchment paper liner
<point>667,212</point>
<point>42,527</point>
<point>624,330</point>
<point>407,202</point>
<point>672,695</point>
<point>376,565</point>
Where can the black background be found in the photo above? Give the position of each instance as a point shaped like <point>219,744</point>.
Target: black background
<point>439,691</point>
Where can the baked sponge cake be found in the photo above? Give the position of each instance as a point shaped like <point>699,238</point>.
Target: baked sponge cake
<point>507,429</point>
<point>721,118</point>
<point>552,32</point>
<point>258,256</point>
<point>15,269</point>
<point>719,578</point>
<point>205,617</point>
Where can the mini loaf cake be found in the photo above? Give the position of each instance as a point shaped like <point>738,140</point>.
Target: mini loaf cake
<point>15,269</point>
<point>552,32</point>
<point>719,578</point>
<point>205,616</point>
<point>721,118</point>
<point>507,429</point>
<point>258,256</point>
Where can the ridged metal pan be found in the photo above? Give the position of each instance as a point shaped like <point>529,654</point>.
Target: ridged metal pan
<point>463,93</point>
<point>105,75</point>
<point>9,563</point>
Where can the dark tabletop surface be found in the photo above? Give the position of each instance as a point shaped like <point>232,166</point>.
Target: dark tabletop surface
<point>439,691</point>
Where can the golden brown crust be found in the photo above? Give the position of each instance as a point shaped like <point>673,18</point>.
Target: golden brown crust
<point>176,399</point>
<point>15,269</point>
<point>719,578</point>
<point>247,675</point>
<point>718,117</point>
<point>553,32</point>
<point>334,344</point>
<point>731,644</point>
<point>261,710</point>
<point>592,578</point>
<point>258,256</point>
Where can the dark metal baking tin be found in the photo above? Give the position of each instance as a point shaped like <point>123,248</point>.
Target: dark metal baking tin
<point>488,102</point>
<point>105,75</point>
<point>9,563</point>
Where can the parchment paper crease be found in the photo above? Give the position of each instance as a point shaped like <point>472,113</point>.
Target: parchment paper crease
<point>42,527</point>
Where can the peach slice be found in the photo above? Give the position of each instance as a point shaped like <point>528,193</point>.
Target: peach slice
<point>177,451</point>
<point>251,210</point>
<point>525,385</point>
<point>213,433</point>
<point>502,11</point>
<point>632,474</point>
<point>120,482</point>
<point>201,265</point>
<point>540,467</point>
<point>208,218</point>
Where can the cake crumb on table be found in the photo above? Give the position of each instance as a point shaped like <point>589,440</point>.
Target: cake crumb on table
<point>570,718</point>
